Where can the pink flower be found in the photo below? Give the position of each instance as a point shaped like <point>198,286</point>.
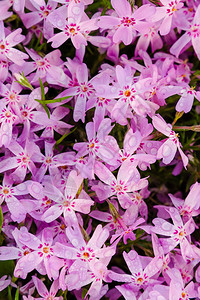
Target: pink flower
<point>127,23</point>
<point>169,148</point>
<point>7,43</point>
<point>177,290</point>
<point>39,12</point>
<point>67,203</point>
<point>167,14</point>
<point>79,250</point>
<point>178,233</point>
<point>76,26</point>
<point>140,276</point>
<point>191,36</point>
<point>41,256</point>
<point>43,292</point>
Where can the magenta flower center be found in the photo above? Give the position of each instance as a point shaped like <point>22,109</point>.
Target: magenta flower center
<point>126,21</point>
<point>86,254</point>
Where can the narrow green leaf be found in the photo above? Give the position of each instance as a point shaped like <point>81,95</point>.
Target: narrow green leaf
<point>84,292</point>
<point>1,218</point>
<point>17,294</point>
<point>38,41</point>
<point>43,98</point>
<point>63,137</point>
<point>53,100</point>
<point>42,89</point>
<point>9,293</point>
<point>47,111</point>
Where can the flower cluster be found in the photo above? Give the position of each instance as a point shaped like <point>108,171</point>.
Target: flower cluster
<point>99,115</point>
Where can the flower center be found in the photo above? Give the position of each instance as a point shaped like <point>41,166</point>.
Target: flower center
<point>2,46</point>
<point>40,63</point>
<point>118,188</point>
<point>12,96</point>
<point>91,145</point>
<point>127,93</point>
<point>45,13</point>
<point>8,114</point>
<point>5,191</point>
<point>24,114</point>
<point>140,280</point>
<point>48,160</point>
<point>86,255</point>
<point>25,159</point>
<point>84,88</point>
<point>45,250</point>
<point>72,30</point>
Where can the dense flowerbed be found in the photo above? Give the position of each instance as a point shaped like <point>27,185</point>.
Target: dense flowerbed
<point>99,137</point>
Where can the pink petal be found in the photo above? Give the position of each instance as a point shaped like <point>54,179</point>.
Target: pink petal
<point>133,262</point>
<point>122,7</point>
<point>167,151</point>
<point>9,253</point>
<point>162,227</point>
<point>41,288</point>
<point>160,124</point>
<point>103,173</point>
<point>52,213</point>
<point>58,39</point>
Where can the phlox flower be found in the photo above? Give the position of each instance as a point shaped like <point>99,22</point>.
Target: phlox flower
<point>191,36</point>
<point>7,119</point>
<point>126,23</point>
<point>132,145</point>
<point>53,123</point>
<point>99,144</point>
<point>41,255</point>
<point>22,161</point>
<point>149,36</point>
<point>189,207</point>
<point>39,12</point>
<point>129,92</point>
<point>177,289</point>
<point>83,90</point>
<point>167,14</point>
<point>186,92</point>
<point>170,146</point>
<point>140,277</point>
<point>95,274</point>
<point>186,268</point>
<point>9,193</point>
<point>11,96</point>
<point>83,251</point>
<point>43,292</point>
<point>127,181</point>
<point>177,233</point>
<point>48,68</point>
<point>8,42</point>
<point>76,26</point>
<point>67,203</point>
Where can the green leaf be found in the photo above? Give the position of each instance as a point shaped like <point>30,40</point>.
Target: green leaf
<point>42,89</point>
<point>84,292</point>
<point>9,293</point>
<point>52,100</point>
<point>1,218</point>
<point>17,294</point>
<point>43,98</point>
<point>38,41</point>
<point>63,137</point>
